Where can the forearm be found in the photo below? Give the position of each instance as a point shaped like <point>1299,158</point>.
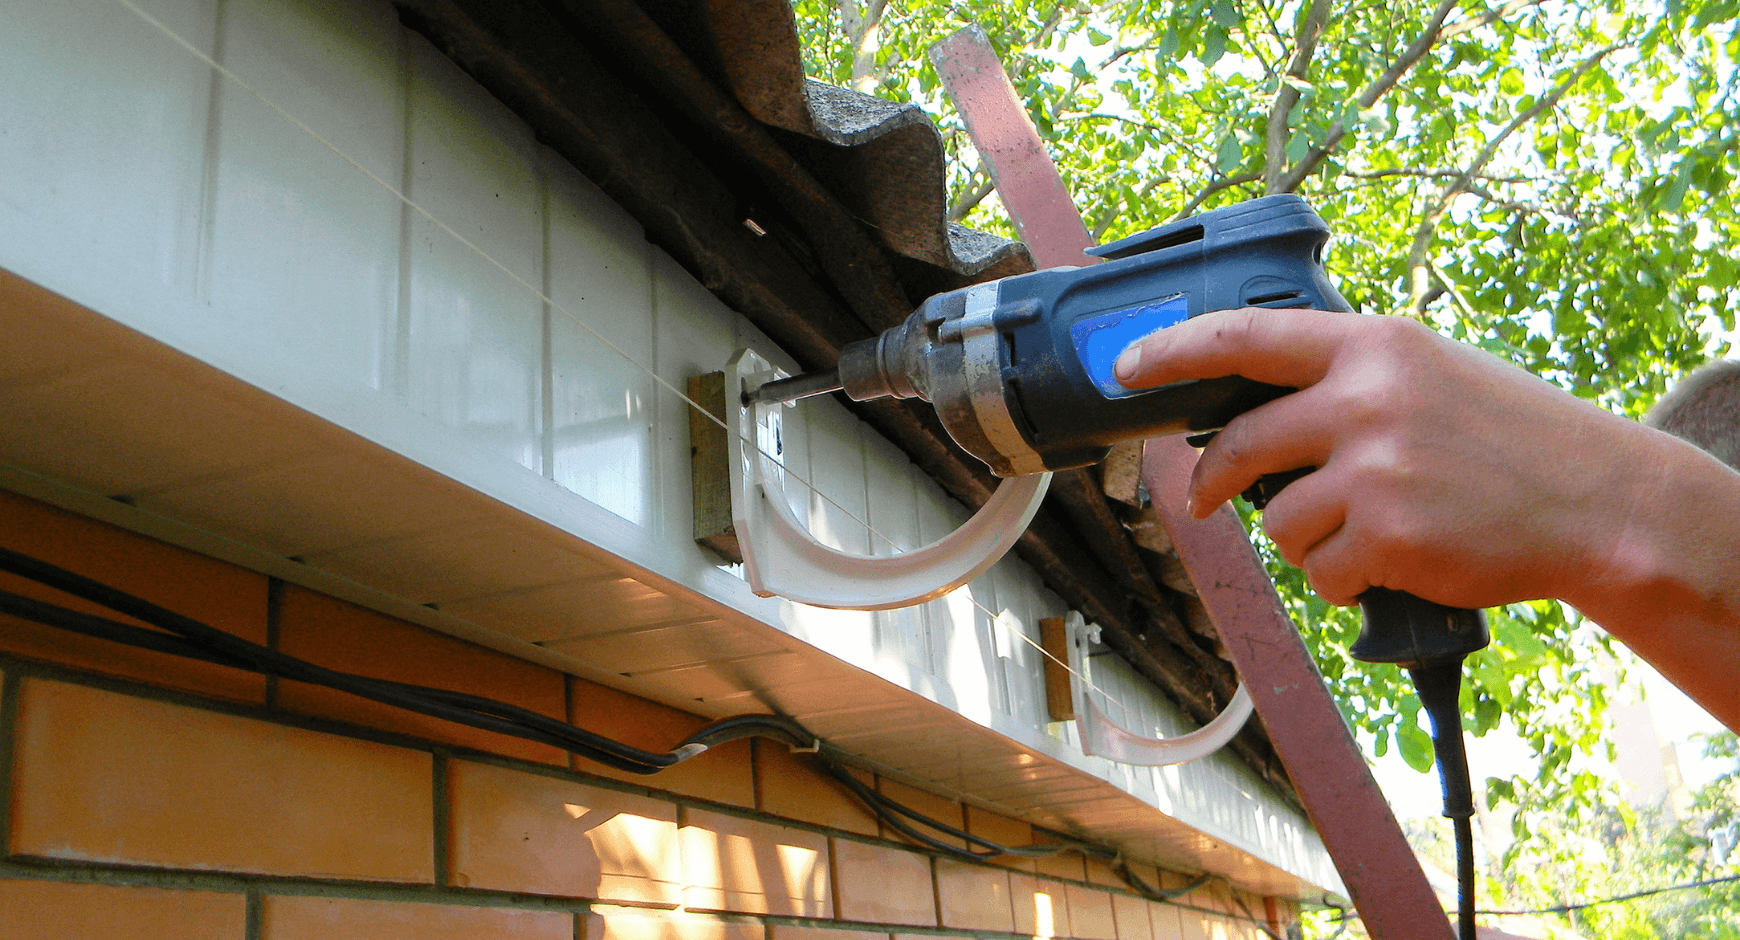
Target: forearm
<point>1670,585</point>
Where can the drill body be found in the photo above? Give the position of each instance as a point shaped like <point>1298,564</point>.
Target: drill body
<point>1020,369</point>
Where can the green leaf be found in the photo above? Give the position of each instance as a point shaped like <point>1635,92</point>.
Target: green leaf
<point>1229,155</point>
<point>1225,14</point>
<point>1518,639</point>
<point>1168,45</point>
<point>1213,47</point>
<point>1298,146</point>
<point>1415,745</point>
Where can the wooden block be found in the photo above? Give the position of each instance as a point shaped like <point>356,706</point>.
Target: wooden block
<point>1121,474</point>
<point>1054,639</point>
<point>710,468</point>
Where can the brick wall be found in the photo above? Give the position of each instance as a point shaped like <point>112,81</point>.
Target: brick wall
<point>153,797</point>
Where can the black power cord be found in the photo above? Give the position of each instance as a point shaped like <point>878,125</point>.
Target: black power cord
<point>1431,641</point>
<point>1440,689</point>
<point>182,636</point>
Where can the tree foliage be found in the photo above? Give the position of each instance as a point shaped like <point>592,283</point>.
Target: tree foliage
<point>1601,852</point>
<point>1548,180</point>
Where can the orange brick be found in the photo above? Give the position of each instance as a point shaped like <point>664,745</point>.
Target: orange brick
<point>1004,831</point>
<point>515,831</point>
<point>1041,906</point>
<point>788,932</point>
<point>607,923</point>
<point>1069,865</point>
<point>879,884</point>
<point>724,774</point>
<point>1196,925</point>
<point>940,808</point>
<point>224,596</point>
<point>1248,906</point>
<point>751,867</point>
<point>973,897</point>
<point>1100,872</point>
<point>39,909</point>
<point>793,786</point>
<point>1131,915</point>
<point>112,778</point>
<point>1090,913</point>
<point>303,918</point>
<point>1164,917</point>
<point>337,635</point>
<point>1216,896</point>
<point>1149,874</point>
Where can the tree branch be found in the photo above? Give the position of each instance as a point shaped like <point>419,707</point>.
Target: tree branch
<point>1419,260</point>
<point>1491,16</point>
<point>971,198</point>
<point>1225,182</point>
<point>1439,173</point>
<point>1311,25</point>
<point>1377,89</point>
<point>860,24</point>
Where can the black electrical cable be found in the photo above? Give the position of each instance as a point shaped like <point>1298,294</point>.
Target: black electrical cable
<point>994,849</point>
<point>1440,688</point>
<point>1343,915</point>
<point>182,636</point>
<point>1567,908</point>
<point>891,812</point>
<point>457,707</point>
<point>471,710</point>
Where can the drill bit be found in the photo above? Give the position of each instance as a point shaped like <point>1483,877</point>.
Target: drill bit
<point>784,391</point>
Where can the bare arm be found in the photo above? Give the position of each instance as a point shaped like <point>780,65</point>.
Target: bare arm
<point>1457,477</point>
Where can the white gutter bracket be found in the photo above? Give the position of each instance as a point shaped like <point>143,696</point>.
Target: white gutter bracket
<point>780,556</point>
<point>1102,737</point>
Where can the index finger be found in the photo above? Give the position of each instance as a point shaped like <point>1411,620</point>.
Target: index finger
<point>1293,348</point>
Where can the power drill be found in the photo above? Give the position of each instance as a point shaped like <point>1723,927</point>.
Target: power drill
<point>1020,372</point>
<point>1020,369</point>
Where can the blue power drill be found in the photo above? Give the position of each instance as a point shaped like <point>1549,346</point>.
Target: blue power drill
<point>1020,370</point>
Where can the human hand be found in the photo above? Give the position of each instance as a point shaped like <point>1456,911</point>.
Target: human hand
<point>1442,471</point>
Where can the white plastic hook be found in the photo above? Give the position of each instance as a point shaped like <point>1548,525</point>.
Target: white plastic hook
<point>1103,737</point>
<point>781,557</point>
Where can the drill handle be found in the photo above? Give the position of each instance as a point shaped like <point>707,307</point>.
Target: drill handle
<point>1399,628</point>
<point>1415,633</point>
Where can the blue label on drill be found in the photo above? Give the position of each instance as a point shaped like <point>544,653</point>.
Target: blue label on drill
<point>1099,339</point>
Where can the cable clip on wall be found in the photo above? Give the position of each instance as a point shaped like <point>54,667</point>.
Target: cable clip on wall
<point>1103,737</point>
<point>780,556</point>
